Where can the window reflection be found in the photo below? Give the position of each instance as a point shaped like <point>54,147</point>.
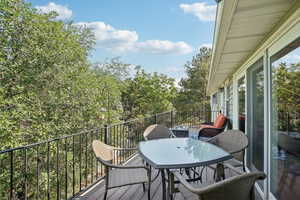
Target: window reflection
<point>285,158</point>
<point>241,98</point>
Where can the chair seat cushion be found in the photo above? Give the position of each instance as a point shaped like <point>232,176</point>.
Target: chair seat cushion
<point>119,177</point>
<point>207,126</point>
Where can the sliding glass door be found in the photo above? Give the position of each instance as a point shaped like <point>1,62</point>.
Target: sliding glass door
<point>255,121</point>
<point>285,123</point>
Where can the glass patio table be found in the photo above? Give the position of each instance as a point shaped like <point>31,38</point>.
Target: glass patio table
<point>176,153</point>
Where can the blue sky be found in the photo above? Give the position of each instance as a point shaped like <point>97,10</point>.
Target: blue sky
<point>159,35</point>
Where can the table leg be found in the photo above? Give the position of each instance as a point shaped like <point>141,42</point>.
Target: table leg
<point>170,184</point>
<point>163,183</point>
<point>220,174</point>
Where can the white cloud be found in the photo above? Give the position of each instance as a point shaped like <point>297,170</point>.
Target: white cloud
<point>163,47</point>
<point>202,10</point>
<point>113,39</point>
<point>62,11</point>
<point>110,38</point>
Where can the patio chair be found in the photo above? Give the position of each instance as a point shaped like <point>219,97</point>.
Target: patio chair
<point>120,175</point>
<point>239,187</point>
<point>235,142</point>
<point>210,129</point>
<point>157,131</point>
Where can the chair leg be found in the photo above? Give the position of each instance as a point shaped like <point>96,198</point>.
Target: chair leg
<point>105,195</point>
<point>149,183</point>
<point>149,187</point>
<point>143,187</point>
<point>244,168</point>
<point>220,173</point>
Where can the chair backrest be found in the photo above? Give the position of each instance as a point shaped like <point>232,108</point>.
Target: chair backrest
<point>103,151</point>
<point>156,131</point>
<point>236,188</point>
<point>232,141</point>
<point>220,121</point>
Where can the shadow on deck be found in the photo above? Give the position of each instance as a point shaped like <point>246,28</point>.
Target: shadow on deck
<point>135,192</point>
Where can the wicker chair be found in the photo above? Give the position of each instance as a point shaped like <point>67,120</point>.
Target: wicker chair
<point>235,142</point>
<point>119,175</point>
<point>240,187</point>
<point>157,131</point>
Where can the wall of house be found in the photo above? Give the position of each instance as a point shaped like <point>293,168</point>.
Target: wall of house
<point>281,36</point>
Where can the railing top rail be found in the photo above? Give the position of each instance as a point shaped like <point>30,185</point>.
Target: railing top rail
<point>137,119</point>
<point>80,133</point>
<point>48,141</point>
<point>72,135</point>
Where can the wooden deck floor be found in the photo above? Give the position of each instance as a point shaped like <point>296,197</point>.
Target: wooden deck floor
<point>135,192</point>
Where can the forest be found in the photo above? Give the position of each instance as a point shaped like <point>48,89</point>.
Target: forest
<point>49,88</point>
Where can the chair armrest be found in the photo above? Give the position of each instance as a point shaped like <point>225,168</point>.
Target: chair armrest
<point>209,132</point>
<point>125,149</point>
<point>105,163</point>
<point>201,190</point>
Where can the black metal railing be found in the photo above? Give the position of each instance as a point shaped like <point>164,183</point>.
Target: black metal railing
<point>288,121</point>
<point>63,167</point>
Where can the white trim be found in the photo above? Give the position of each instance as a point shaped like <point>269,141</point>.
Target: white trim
<point>266,125</point>
<point>227,8</point>
<point>292,34</point>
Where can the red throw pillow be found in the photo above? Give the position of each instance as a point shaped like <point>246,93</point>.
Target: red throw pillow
<point>220,121</point>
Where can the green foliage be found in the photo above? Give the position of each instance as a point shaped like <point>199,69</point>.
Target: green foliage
<point>147,93</point>
<point>192,94</point>
<point>286,93</point>
<point>46,86</point>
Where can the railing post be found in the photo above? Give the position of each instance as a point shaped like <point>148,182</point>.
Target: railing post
<point>288,123</point>
<point>172,120</point>
<point>106,134</point>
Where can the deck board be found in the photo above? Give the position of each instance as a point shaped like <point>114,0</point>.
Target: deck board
<point>135,192</point>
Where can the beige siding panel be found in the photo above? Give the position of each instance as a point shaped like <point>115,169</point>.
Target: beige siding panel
<point>250,29</point>
<point>261,10</point>
<point>242,44</point>
<point>237,21</point>
<point>233,57</point>
<point>252,3</point>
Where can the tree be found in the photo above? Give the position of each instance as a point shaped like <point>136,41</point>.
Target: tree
<point>46,87</point>
<point>192,93</point>
<point>286,94</point>
<point>147,93</point>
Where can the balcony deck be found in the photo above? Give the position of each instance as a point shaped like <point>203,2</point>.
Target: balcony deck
<point>135,192</point>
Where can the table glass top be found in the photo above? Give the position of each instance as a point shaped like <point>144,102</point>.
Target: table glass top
<point>181,152</point>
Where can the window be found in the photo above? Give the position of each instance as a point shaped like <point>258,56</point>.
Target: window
<point>255,115</point>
